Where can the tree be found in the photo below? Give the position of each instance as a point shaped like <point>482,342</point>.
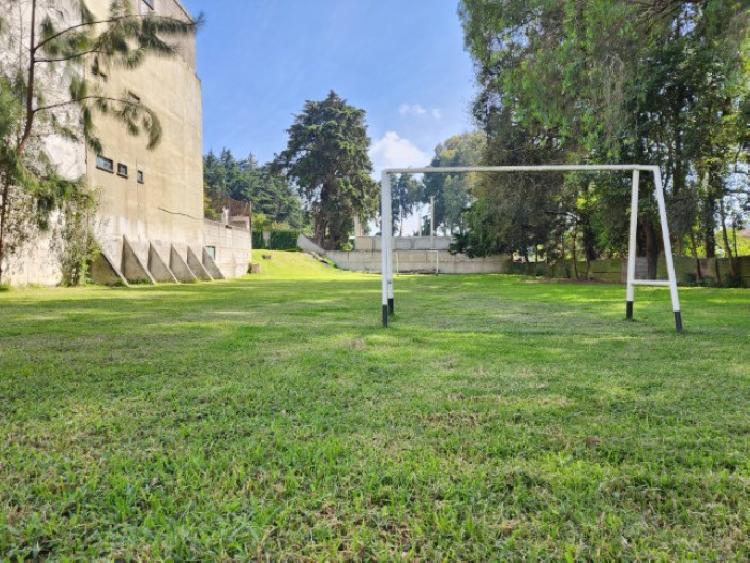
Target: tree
<point>245,180</point>
<point>29,186</point>
<point>601,81</point>
<point>406,193</point>
<point>452,191</point>
<point>326,157</point>
<point>512,213</point>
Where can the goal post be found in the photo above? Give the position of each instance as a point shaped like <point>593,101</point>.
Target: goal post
<point>386,226</point>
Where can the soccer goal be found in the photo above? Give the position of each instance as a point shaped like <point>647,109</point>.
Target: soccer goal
<point>386,226</point>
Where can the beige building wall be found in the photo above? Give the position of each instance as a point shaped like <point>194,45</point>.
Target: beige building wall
<point>167,208</point>
<point>161,214</point>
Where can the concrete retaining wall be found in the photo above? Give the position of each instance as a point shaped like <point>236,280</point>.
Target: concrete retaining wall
<point>37,262</point>
<point>372,243</point>
<point>158,267</point>
<point>231,246</point>
<point>408,257</point>
<point>613,270</point>
<point>421,261</point>
<point>309,246</point>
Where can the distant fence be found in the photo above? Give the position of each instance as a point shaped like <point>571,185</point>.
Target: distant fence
<point>614,270</point>
<point>235,208</point>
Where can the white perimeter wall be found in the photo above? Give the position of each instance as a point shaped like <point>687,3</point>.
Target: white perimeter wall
<point>418,261</point>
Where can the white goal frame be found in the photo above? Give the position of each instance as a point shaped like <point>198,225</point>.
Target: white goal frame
<point>386,226</point>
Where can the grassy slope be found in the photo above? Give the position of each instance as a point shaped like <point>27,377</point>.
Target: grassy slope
<point>273,415</point>
<point>294,265</point>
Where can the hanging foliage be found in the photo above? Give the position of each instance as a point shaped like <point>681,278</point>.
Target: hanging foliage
<point>31,190</point>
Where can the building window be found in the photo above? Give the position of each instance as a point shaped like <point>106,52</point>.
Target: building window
<point>211,251</point>
<point>104,163</point>
<point>139,175</point>
<point>122,170</point>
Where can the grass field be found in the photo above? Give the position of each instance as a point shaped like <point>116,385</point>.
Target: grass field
<point>273,417</point>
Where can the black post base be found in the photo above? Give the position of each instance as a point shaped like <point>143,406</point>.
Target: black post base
<point>385,316</point>
<point>678,321</point>
<point>629,310</point>
<point>391,307</point>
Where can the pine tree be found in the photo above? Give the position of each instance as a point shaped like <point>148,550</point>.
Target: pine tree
<point>326,157</point>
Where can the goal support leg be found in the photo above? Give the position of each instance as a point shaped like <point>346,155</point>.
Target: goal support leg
<point>391,305</point>
<point>659,187</point>
<point>386,245</point>
<point>632,247</point>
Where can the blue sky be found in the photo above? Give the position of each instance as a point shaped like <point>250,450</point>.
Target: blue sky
<point>401,60</point>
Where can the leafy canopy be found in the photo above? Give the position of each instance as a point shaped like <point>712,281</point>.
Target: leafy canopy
<point>326,157</point>
<point>273,199</point>
<point>602,81</point>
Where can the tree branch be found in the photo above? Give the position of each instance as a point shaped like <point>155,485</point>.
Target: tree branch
<point>29,86</point>
<point>68,58</point>
<point>82,99</point>
<point>97,22</point>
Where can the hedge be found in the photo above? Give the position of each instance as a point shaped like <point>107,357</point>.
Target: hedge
<point>280,240</point>
<point>284,240</point>
<point>258,241</point>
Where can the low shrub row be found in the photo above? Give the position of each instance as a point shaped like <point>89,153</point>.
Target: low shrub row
<point>285,239</point>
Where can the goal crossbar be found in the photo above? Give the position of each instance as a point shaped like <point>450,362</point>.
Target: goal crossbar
<point>386,225</point>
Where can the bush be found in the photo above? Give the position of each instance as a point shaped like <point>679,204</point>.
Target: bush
<point>284,239</point>
<point>732,281</point>
<point>281,239</point>
<point>258,241</point>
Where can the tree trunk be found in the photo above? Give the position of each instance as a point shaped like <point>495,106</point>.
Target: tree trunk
<point>589,240</point>
<point>4,208</point>
<point>679,171</point>
<point>725,237</point>
<point>28,125</point>
<point>693,246</point>
<point>652,248</point>
<point>709,236</point>
<point>320,231</point>
<point>574,254</point>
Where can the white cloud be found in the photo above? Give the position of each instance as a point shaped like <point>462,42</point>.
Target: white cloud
<point>392,151</point>
<point>411,109</point>
<point>418,110</point>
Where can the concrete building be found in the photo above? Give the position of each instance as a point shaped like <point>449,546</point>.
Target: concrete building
<point>149,222</point>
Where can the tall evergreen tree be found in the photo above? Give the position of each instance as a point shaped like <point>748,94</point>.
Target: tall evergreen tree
<point>327,158</point>
<point>268,191</point>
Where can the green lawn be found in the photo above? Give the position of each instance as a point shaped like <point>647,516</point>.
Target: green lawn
<point>273,417</point>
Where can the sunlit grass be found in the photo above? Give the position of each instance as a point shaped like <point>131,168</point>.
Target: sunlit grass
<point>295,265</point>
<point>498,417</point>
